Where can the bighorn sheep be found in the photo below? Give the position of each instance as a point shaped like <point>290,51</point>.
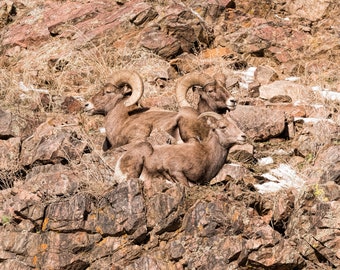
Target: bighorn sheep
<point>126,123</point>
<point>212,96</point>
<point>192,162</point>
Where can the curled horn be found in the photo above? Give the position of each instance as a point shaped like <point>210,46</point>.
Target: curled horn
<point>131,78</point>
<point>188,81</point>
<point>211,114</point>
<point>220,79</point>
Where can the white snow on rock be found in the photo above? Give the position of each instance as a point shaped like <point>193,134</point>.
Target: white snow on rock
<point>280,178</point>
<point>327,94</point>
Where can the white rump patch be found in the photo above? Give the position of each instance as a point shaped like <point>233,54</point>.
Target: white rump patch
<point>118,176</point>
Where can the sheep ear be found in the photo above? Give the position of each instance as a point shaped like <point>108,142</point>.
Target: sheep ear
<point>126,90</point>
<point>196,79</point>
<point>109,88</point>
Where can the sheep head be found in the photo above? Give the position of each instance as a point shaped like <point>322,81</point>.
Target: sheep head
<point>123,85</point>
<point>225,128</point>
<point>213,95</point>
<point>221,85</point>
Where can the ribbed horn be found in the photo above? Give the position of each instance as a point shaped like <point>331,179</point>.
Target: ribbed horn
<point>211,114</point>
<point>188,81</point>
<point>131,78</point>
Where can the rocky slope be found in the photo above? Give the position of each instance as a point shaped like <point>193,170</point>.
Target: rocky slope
<point>275,203</point>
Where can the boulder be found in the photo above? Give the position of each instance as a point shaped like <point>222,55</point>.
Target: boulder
<point>312,10</point>
<point>313,225</point>
<point>54,141</point>
<point>259,123</point>
<point>9,153</point>
<point>297,92</point>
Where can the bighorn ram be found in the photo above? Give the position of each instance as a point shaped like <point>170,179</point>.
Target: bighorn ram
<point>212,96</point>
<point>126,123</point>
<point>194,161</point>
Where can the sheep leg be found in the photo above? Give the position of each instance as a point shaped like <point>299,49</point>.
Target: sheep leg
<point>180,178</point>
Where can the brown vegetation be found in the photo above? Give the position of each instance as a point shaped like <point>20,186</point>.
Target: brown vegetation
<point>275,203</point>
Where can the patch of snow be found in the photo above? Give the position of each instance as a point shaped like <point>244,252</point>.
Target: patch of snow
<point>234,165</point>
<point>280,178</point>
<point>327,94</point>
<point>313,120</point>
<point>265,161</point>
<point>284,19</point>
<point>280,152</point>
<point>247,77</point>
<point>292,79</point>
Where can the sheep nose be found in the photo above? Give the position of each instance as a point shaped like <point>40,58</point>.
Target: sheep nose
<point>88,106</point>
<point>232,100</point>
<point>231,103</point>
<point>242,137</point>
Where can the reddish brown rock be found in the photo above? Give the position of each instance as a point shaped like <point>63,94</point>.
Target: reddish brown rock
<point>313,135</point>
<point>9,153</point>
<point>6,125</point>
<point>71,214</point>
<point>235,171</point>
<point>259,123</point>
<point>56,140</point>
<point>296,91</point>
<point>312,10</point>
<point>290,110</point>
<point>275,257</point>
<point>313,226</point>
<point>159,42</point>
<point>92,19</point>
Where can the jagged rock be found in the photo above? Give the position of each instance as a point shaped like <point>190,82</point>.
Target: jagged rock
<point>282,256</point>
<point>314,224</point>
<point>148,262</point>
<point>328,159</point>
<point>56,140</point>
<point>160,43</point>
<point>93,19</point>
<point>297,92</point>
<point>8,125</point>
<point>259,123</point>
<point>120,211</point>
<point>312,135</point>
<point>234,171</point>
<point>68,215</point>
<point>265,74</point>
<point>71,214</point>
<point>312,10</point>
<point>165,205</point>
<point>7,11</point>
<point>9,153</point>
<point>290,110</point>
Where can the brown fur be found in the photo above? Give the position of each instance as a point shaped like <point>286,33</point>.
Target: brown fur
<point>194,161</point>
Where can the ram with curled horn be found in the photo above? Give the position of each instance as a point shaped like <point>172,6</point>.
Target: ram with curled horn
<point>192,162</point>
<point>213,96</point>
<point>126,123</point>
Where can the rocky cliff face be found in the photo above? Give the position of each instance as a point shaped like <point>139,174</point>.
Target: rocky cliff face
<point>274,205</point>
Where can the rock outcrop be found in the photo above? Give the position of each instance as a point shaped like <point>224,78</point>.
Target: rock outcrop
<point>274,205</point>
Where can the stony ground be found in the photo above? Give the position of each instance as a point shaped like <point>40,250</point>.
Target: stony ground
<point>274,205</point>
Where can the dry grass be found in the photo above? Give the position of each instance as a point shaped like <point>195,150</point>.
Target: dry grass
<point>64,68</point>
